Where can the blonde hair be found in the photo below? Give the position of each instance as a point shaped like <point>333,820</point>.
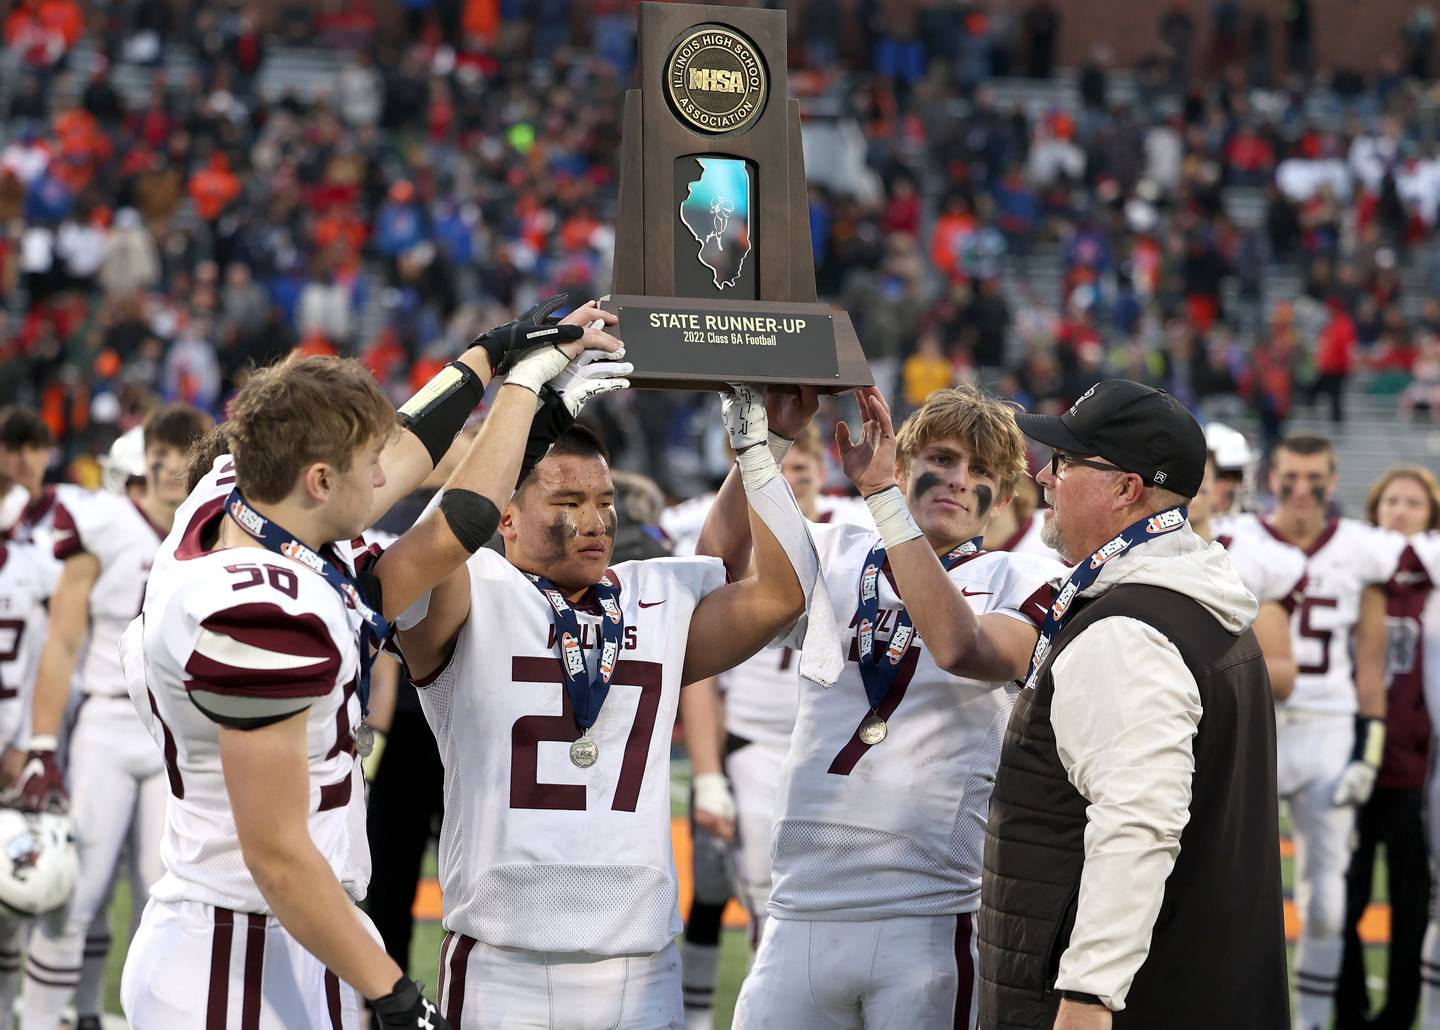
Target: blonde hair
<point>809,441</point>
<point>1416,473</point>
<point>985,424</point>
<point>301,410</point>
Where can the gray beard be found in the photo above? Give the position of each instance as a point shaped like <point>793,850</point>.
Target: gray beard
<point>1050,534</point>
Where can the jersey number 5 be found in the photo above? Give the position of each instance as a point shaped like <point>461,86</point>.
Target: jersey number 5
<point>529,730</point>
<point>1321,667</point>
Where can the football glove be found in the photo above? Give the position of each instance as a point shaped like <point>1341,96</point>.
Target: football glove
<point>41,786</point>
<point>1358,779</point>
<point>536,328</point>
<point>592,373</point>
<point>407,1008</point>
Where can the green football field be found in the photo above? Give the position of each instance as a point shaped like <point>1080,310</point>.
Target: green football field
<point>735,954</point>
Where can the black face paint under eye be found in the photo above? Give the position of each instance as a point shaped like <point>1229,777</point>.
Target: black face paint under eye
<point>984,496</point>
<point>608,516</point>
<point>557,535</point>
<point>155,470</point>
<point>926,482</point>
<point>1287,490</point>
<point>1318,493</point>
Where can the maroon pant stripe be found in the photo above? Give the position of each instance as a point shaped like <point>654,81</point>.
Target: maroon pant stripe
<point>332,1000</point>
<point>459,958</point>
<point>254,972</point>
<point>220,941</point>
<point>965,968</point>
<point>446,943</point>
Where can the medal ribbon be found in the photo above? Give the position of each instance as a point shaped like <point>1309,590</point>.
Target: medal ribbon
<point>278,539</point>
<point>1086,572</point>
<point>587,695</point>
<point>878,675</point>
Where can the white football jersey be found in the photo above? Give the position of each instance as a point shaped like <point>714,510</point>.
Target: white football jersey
<point>123,540</point>
<point>896,828</point>
<point>762,694</point>
<point>27,578</point>
<point>244,636</point>
<point>535,852</point>
<point>1271,570</point>
<point>1348,556</point>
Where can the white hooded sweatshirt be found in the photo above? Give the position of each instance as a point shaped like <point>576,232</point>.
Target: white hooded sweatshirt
<point>1125,712</point>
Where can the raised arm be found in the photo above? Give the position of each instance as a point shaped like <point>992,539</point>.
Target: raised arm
<point>732,623</point>
<point>482,483</point>
<point>990,648</point>
<point>426,432</point>
<point>726,533</point>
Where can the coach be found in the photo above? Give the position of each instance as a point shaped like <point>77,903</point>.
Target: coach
<point>1132,864</point>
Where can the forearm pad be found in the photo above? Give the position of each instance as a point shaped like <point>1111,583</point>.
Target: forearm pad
<point>1369,741</point>
<point>471,516</point>
<point>552,418</point>
<point>437,413</point>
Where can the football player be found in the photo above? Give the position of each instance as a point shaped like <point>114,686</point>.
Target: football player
<point>26,447</point>
<point>551,681</point>
<point>883,797</point>
<point>1330,731</point>
<point>27,578</point>
<point>249,660</point>
<point>1274,572</point>
<point>737,730</point>
<point>106,542</point>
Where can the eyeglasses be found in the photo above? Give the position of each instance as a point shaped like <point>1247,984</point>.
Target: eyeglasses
<point>1059,458</point>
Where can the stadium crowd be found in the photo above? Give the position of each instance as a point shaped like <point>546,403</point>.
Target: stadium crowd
<point>157,249</point>
<point>158,246</point>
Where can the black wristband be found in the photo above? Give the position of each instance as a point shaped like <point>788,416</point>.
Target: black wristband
<point>552,418</point>
<point>1083,998</point>
<point>438,411</point>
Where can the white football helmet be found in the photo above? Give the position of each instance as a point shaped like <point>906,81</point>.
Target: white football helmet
<point>39,862</point>
<point>125,461</point>
<point>1232,450</point>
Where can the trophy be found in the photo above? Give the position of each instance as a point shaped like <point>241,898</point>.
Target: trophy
<point>714,280</point>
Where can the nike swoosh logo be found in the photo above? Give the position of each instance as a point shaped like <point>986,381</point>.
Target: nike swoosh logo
<point>650,604</point>
<point>976,593</point>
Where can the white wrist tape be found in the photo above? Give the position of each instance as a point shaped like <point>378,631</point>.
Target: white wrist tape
<point>779,446</point>
<point>757,467</point>
<point>712,794</point>
<point>43,742</point>
<point>892,517</point>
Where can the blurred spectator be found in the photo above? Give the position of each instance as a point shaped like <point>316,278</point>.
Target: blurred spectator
<point>1334,359</point>
<point>1041,22</point>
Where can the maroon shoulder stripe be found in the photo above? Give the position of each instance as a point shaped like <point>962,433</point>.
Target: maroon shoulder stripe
<point>459,959</point>
<point>332,1000</point>
<point>220,942</point>
<point>964,969</point>
<point>254,972</point>
<point>267,627</point>
<point>1037,604</point>
<point>67,534</point>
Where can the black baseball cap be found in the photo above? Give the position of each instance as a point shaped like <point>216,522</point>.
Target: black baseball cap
<point>1134,427</point>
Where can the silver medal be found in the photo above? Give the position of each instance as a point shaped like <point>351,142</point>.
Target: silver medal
<point>873,729</point>
<point>584,752</point>
<point>365,740</point>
